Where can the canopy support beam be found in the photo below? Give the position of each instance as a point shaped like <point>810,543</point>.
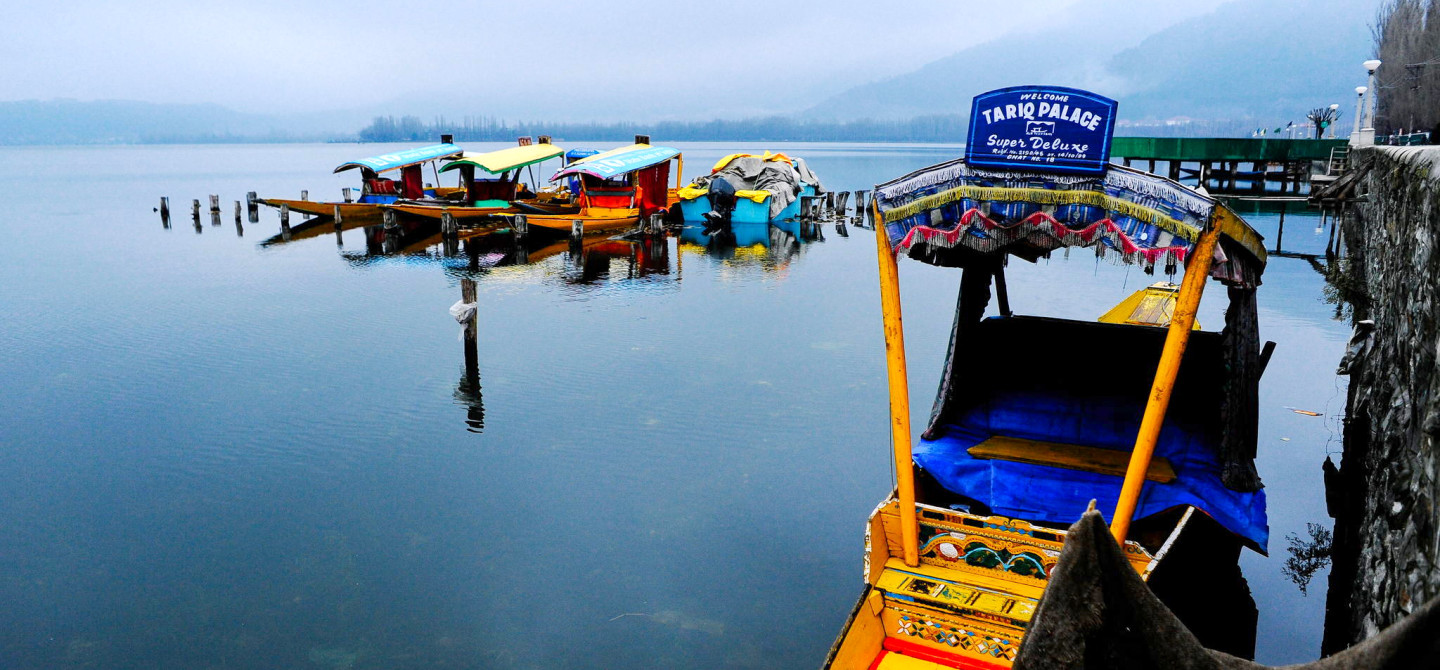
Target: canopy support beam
<point>1002,294</point>
<point>899,392</point>
<point>1186,305</point>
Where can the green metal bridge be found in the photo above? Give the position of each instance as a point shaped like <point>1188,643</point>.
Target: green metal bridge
<point>1289,162</point>
<point>1214,149</point>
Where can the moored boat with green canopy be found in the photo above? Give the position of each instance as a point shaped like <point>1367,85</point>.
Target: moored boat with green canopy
<point>504,192</point>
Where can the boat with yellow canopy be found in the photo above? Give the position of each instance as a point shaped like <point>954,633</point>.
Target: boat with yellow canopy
<point>1036,418</point>
<point>505,193</point>
<point>377,190</point>
<point>617,188</point>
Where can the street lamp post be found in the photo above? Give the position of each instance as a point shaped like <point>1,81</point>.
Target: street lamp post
<point>1359,106</point>
<point>1367,132</point>
<point>1334,114</point>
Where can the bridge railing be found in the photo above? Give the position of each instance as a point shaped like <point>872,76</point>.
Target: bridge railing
<point>1403,139</point>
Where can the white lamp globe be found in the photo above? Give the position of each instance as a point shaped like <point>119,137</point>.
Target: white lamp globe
<point>1360,90</point>
<point>1371,65</point>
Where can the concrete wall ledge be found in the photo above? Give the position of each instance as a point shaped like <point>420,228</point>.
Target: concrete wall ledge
<point>1425,158</point>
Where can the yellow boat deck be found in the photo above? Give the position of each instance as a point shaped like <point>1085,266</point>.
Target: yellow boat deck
<point>966,604</point>
<point>594,219</point>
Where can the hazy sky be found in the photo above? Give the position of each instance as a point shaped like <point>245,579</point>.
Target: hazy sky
<point>555,60</point>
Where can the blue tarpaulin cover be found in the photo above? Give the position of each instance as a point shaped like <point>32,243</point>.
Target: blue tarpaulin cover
<point>400,159</point>
<point>1057,495</point>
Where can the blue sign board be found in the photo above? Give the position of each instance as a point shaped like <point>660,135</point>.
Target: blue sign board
<point>1045,128</point>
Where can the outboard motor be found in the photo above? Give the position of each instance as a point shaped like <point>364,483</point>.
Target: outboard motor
<point>722,200</point>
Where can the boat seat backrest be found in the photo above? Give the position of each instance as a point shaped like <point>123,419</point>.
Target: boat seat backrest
<point>492,189</point>
<point>381,186</point>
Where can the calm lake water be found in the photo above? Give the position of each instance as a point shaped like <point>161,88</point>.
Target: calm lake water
<point>223,455</point>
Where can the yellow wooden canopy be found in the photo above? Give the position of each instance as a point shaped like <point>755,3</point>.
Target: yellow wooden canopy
<point>505,160</point>
<point>1153,305</point>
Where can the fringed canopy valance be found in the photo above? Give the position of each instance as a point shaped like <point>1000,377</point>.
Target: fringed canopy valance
<point>947,212</point>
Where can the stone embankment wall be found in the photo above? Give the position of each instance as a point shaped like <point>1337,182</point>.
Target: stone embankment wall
<point>1387,534</point>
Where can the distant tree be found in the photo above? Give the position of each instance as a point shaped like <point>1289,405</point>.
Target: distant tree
<point>1322,118</point>
<point>1407,41</point>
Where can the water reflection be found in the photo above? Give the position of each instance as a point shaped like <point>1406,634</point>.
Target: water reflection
<point>467,391</point>
<point>768,246</point>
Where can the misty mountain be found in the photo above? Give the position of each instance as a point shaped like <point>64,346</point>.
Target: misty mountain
<point>1257,62</point>
<point>1259,59</point>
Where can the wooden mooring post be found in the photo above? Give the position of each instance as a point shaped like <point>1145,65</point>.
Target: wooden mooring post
<point>239,225</point>
<point>842,204</point>
<point>285,218</point>
<point>252,207</point>
<point>1331,249</point>
<point>448,228</point>
<point>808,206</point>
<point>861,204</point>
<point>1280,234</point>
<point>165,211</point>
<point>577,230</point>
<point>471,341</point>
<point>214,203</point>
<point>345,194</point>
<point>195,210</point>
<point>519,226</point>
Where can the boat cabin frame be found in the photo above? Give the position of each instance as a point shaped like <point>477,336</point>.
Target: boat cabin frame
<point>950,582</point>
<point>409,162</point>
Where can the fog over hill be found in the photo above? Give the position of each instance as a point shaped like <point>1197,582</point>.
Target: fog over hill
<point>1269,60</point>
<point>1224,64</point>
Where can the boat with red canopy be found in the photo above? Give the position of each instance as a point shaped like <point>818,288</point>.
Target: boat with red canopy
<point>617,188</point>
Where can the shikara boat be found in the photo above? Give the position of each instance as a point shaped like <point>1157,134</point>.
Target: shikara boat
<point>616,188</point>
<point>376,190</point>
<point>1038,418</point>
<point>505,193</point>
<point>749,188</point>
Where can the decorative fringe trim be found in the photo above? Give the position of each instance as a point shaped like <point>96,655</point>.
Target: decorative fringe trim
<point>1041,196</point>
<point>978,232</point>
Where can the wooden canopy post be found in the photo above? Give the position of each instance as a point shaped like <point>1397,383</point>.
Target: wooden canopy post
<point>1186,305</point>
<point>899,391</point>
